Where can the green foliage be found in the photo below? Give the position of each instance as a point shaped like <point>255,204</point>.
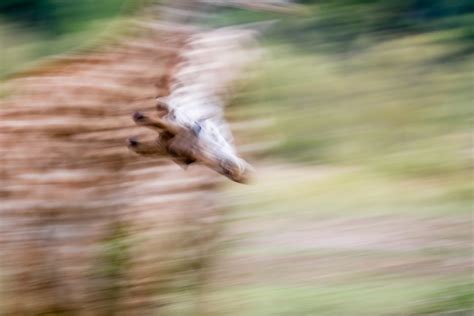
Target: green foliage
<point>392,107</point>
<point>60,26</point>
<point>387,14</point>
<point>114,262</point>
<point>364,298</point>
<point>346,26</point>
<point>345,21</point>
<point>60,16</point>
<point>458,298</point>
<point>31,12</point>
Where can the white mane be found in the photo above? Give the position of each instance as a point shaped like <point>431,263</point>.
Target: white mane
<point>210,64</point>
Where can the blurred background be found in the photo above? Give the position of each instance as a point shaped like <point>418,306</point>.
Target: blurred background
<point>361,111</point>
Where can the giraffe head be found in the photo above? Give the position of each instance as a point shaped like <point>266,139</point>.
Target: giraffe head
<point>186,142</point>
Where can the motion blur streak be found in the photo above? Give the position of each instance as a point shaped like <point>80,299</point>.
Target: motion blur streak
<point>86,226</point>
<point>356,116</point>
<point>190,110</point>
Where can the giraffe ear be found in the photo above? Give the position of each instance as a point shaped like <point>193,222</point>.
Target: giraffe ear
<point>158,124</point>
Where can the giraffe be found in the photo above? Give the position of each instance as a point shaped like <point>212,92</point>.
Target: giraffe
<point>189,110</point>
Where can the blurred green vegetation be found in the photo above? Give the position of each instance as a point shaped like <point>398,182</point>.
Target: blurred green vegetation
<point>113,264</point>
<point>392,108</point>
<point>339,26</point>
<point>60,16</point>
<point>377,93</point>
<point>31,30</point>
<point>372,104</point>
<point>399,108</point>
<point>458,298</point>
<point>390,297</point>
<point>349,20</point>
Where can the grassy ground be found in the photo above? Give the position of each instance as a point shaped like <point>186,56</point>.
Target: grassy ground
<point>365,206</point>
<point>330,246</point>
